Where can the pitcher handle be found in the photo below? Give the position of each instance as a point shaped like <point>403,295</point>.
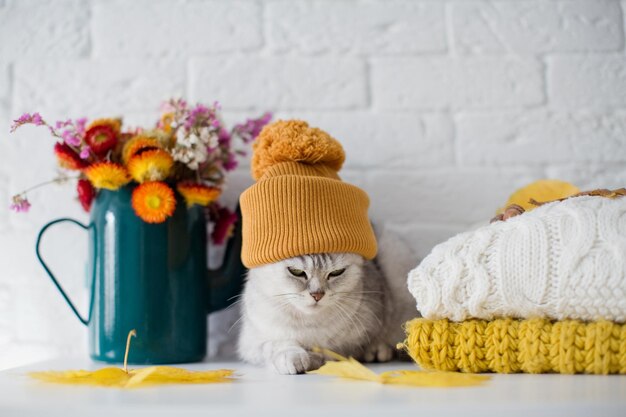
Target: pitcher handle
<point>51,275</point>
<point>226,282</point>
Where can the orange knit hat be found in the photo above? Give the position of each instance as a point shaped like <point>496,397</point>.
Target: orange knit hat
<point>299,205</point>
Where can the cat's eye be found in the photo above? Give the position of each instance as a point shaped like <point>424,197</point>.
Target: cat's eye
<point>297,272</point>
<point>337,272</point>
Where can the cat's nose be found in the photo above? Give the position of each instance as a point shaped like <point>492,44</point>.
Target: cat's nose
<point>317,295</point>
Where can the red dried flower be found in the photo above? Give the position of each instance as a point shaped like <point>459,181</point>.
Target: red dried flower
<point>68,158</point>
<point>86,193</point>
<point>224,225</point>
<point>101,139</point>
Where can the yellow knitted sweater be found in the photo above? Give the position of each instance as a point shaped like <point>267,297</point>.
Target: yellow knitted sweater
<point>508,345</point>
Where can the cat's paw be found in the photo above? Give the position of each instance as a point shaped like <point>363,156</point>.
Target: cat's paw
<point>378,352</point>
<point>296,361</point>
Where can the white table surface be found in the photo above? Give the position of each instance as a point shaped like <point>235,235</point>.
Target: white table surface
<point>259,392</point>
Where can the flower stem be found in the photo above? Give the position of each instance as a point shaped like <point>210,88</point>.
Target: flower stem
<point>130,335</point>
<point>56,180</point>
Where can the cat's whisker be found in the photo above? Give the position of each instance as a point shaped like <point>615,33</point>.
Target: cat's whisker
<point>233,304</point>
<point>235,323</point>
<point>293,297</point>
<point>235,296</point>
<point>355,321</point>
<point>285,302</point>
<point>343,318</point>
<point>356,298</point>
<point>366,308</point>
<point>284,307</point>
<point>359,292</point>
<point>358,324</point>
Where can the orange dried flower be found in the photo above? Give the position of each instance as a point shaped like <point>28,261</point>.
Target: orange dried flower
<point>166,122</point>
<point>195,193</point>
<point>107,175</point>
<point>150,165</point>
<point>136,144</point>
<point>153,201</point>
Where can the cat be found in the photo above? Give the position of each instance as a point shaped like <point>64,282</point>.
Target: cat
<point>337,301</point>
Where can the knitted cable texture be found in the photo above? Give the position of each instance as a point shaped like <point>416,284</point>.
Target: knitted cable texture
<point>506,346</point>
<point>563,260</point>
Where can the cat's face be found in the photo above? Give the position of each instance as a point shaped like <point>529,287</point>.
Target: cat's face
<point>311,283</point>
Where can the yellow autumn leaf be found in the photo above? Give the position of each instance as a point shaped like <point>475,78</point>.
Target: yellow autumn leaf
<point>106,377</point>
<point>116,377</point>
<point>167,375</point>
<point>432,378</point>
<point>542,190</point>
<point>350,368</point>
<point>134,378</point>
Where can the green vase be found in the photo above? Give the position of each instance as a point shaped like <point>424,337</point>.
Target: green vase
<point>152,278</point>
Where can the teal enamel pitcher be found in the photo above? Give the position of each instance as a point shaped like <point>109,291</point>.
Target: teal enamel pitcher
<point>152,278</point>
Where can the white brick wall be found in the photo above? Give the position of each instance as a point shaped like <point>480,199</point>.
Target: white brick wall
<point>74,87</point>
<point>537,26</point>
<point>42,30</point>
<point>514,137</point>
<point>594,81</point>
<point>367,28</point>
<point>174,28</point>
<point>444,107</point>
<point>278,82</point>
<point>455,82</point>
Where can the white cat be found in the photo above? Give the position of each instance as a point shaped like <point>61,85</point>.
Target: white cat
<point>336,301</point>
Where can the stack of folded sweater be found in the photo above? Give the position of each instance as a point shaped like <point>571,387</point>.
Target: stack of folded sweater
<point>541,292</point>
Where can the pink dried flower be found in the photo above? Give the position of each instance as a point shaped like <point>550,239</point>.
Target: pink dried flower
<point>223,137</point>
<point>25,119</point>
<point>80,125</point>
<point>85,152</point>
<point>198,114</point>
<point>20,204</point>
<point>62,123</point>
<point>174,106</point>
<point>73,131</point>
<point>231,162</point>
<point>70,137</point>
<point>249,130</point>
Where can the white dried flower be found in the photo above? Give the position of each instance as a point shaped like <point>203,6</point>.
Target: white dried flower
<point>209,137</point>
<point>190,148</point>
<point>180,136</point>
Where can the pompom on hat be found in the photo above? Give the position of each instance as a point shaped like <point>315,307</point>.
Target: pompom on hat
<point>299,205</point>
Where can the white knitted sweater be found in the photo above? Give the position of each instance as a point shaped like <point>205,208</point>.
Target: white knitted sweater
<point>561,260</point>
